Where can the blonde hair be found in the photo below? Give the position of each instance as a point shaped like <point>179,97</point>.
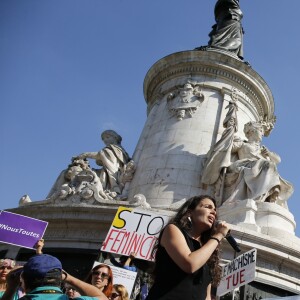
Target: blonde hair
<point>121,289</point>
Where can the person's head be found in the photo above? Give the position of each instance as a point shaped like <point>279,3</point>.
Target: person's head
<point>111,137</point>
<point>6,265</point>
<point>254,131</point>
<point>119,292</point>
<point>101,277</point>
<point>197,214</point>
<point>41,270</point>
<point>71,292</point>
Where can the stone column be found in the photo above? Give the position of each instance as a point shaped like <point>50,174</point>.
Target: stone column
<point>173,146</point>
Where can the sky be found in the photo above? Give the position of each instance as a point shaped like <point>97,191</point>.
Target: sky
<point>70,69</point>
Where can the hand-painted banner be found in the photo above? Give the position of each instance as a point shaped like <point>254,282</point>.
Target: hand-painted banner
<point>20,230</point>
<point>238,272</point>
<point>134,230</point>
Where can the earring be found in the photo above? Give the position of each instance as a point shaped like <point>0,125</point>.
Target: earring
<point>189,218</point>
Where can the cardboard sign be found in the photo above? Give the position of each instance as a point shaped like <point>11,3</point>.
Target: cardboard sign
<point>122,276</point>
<point>134,230</point>
<point>238,272</point>
<point>20,230</point>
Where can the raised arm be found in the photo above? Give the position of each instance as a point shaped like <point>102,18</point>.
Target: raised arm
<point>129,259</point>
<point>93,155</point>
<point>176,246</point>
<point>39,246</point>
<point>270,155</point>
<point>83,287</point>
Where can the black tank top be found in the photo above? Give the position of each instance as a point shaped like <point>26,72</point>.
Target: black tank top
<point>172,283</point>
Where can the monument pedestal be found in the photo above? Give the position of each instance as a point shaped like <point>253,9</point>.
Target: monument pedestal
<point>263,217</point>
<point>274,220</point>
<point>241,213</point>
<point>186,94</point>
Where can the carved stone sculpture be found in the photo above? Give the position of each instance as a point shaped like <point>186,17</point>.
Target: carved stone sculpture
<point>241,170</point>
<point>140,200</point>
<point>227,33</point>
<point>185,101</point>
<point>24,200</point>
<point>64,184</point>
<point>126,177</point>
<point>113,159</point>
<point>80,183</point>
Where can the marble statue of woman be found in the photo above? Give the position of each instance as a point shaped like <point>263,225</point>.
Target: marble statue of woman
<point>112,158</point>
<point>244,169</point>
<point>250,172</point>
<point>253,172</point>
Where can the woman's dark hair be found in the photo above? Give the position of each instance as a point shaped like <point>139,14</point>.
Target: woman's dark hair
<point>181,220</point>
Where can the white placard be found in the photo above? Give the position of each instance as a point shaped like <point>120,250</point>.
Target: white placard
<point>134,230</point>
<point>238,272</point>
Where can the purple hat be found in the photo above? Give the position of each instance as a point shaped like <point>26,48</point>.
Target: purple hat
<point>39,265</point>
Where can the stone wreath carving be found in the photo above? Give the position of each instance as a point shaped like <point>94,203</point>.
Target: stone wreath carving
<point>185,101</point>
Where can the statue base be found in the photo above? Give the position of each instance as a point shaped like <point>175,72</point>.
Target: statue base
<point>267,218</point>
<point>241,213</point>
<point>275,220</point>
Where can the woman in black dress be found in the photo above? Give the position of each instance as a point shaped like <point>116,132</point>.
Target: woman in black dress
<point>187,254</point>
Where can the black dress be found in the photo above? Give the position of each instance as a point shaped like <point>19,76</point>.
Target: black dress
<point>172,283</point>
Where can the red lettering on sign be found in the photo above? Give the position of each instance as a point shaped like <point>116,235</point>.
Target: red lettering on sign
<point>109,237</point>
<point>242,273</point>
<point>235,279</point>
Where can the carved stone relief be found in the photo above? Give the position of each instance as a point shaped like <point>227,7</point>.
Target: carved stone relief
<point>185,101</point>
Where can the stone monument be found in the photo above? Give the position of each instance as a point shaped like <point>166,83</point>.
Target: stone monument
<point>207,113</point>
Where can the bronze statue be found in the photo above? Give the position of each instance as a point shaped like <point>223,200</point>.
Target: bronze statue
<point>227,33</point>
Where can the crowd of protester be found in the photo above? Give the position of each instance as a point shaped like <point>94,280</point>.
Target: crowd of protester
<point>42,277</point>
<point>186,265</point>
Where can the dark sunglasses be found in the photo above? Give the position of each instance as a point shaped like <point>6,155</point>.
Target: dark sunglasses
<point>114,295</point>
<point>102,275</point>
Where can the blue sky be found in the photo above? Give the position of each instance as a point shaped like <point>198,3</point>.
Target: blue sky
<point>70,69</point>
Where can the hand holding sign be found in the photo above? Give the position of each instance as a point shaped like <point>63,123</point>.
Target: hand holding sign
<point>21,230</point>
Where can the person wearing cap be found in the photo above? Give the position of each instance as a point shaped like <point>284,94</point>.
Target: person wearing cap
<point>7,265</point>
<point>41,278</point>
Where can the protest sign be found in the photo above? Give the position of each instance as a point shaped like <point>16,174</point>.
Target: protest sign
<point>122,276</point>
<point>238,272</point>
<point>20,230</point>
<point>134,230</point>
